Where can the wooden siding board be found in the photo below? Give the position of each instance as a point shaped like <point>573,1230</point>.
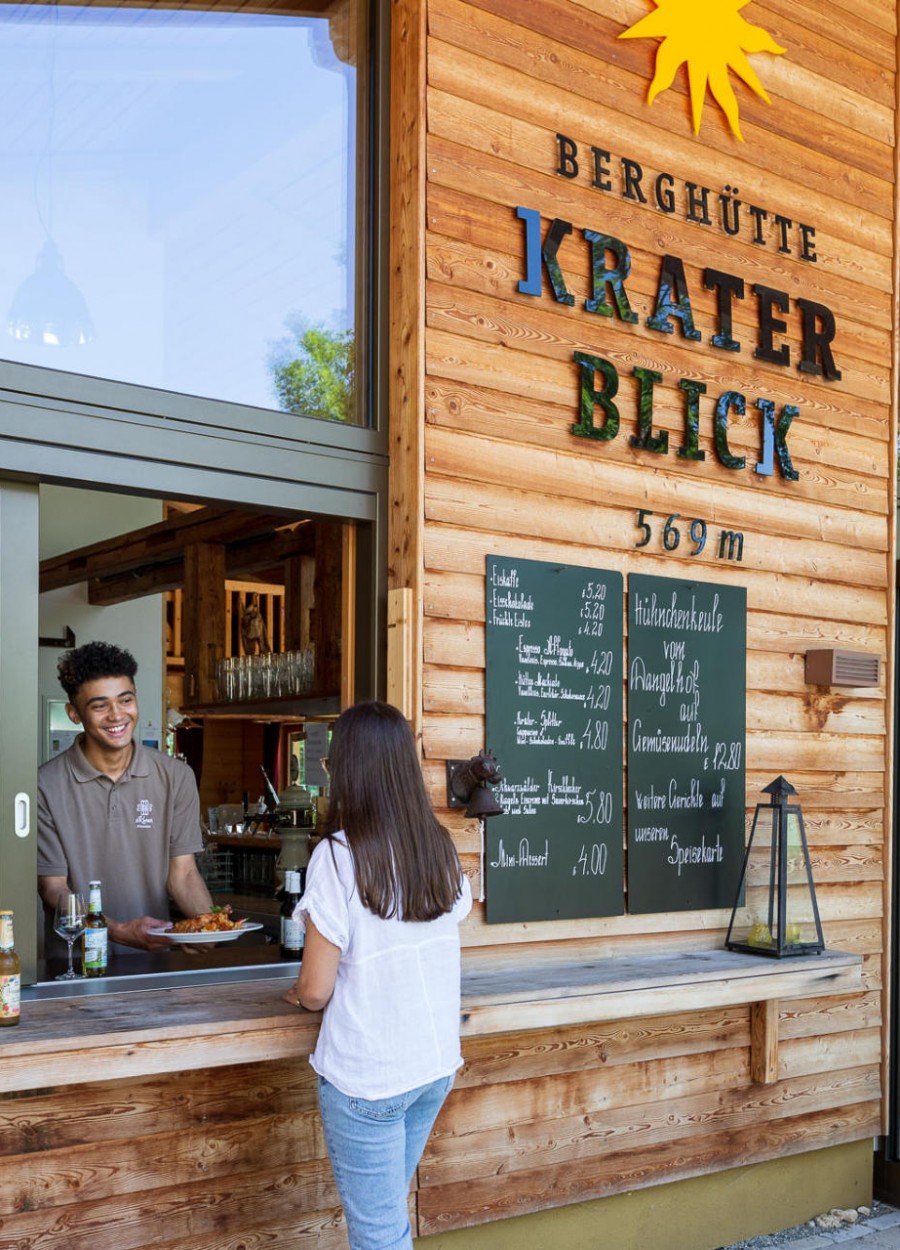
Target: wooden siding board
<point>453,590</point>
<point>606,512</point>
<point>138,1164</point>
<point>476,237</point>
<point>180,1211</point>
<point>582,94</point>
<point>459,1205</point>
<point>551,335</point>
<point>493,269</point>
<point>452,1157</point>
<point>852,475</point>
<point>817,38</point>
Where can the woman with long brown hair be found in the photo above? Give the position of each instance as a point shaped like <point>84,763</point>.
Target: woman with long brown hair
<point>383,901</point>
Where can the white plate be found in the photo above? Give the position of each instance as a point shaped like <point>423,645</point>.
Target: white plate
<point>220,935</point>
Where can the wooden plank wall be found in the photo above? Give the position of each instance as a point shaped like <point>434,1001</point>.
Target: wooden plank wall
<point>539,1120</point>
<point>212,1160</point>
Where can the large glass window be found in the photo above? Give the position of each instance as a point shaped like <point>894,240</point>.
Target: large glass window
<point>179,198</point>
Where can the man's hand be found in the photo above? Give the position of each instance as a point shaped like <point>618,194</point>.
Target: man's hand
<point>135,933</point>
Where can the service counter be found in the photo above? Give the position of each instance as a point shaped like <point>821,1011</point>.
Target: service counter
<point>131,1026</point>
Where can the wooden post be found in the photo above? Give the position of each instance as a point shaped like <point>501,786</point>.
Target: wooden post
<point>406,378</point>
<point>299,575</point>
<point>326,613</point>
<point>348,614</point>
<point>400,685</point>
<point>764,1042</point>
<point>204,620</point>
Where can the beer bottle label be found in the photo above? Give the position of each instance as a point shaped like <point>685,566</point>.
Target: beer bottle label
<point>291,934</point>
<point>10,992</point>
<point>95,948</point>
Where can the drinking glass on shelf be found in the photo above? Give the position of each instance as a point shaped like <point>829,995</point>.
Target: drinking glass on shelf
<point>253,676</point>
<point>229,679</point>
<point>243,677</point>
<point>69,924</point>
<point>267,674</point>
<point>282,673</point>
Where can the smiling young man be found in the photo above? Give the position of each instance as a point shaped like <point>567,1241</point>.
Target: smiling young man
<point>112,810</point>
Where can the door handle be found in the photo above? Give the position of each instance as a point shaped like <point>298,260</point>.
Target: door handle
<point>22,814</point>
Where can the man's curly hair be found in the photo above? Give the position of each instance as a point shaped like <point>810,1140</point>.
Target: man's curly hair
<point>93,660</point>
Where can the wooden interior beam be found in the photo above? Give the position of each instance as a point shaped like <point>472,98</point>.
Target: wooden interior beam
<point>154,545</point>
<point>264,553</point>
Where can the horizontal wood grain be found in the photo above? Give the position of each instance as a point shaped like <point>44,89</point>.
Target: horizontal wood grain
<point>470,1202</point>
<point>112,1037</point>
<point>592,1133</point>
<point>577,478</point>
<point>571,79</point>
<point>490,128</point>
<point>852,475</point>
<point>458,592</point>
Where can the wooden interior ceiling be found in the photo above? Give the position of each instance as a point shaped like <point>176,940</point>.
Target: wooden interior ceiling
<point>150,560</point>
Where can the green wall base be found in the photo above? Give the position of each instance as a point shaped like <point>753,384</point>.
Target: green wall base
<point>703,1213</point>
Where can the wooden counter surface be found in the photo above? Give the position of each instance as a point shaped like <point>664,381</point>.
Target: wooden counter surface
<point>106,1036</point>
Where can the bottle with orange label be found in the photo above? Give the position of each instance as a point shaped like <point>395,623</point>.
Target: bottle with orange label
<point>10,972</point>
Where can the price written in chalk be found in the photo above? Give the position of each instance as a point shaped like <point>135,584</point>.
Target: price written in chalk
<point>593,610</point>
<point>595,735</point>
<point>727,756</point>
<point>592,860</point>
<point>597,698</point>
<point>599,808</point>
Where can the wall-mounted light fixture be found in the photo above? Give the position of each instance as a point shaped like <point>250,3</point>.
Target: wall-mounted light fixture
<point>834,666</point>
<point>469,785</point>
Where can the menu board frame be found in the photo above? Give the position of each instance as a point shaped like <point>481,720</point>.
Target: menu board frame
<point>554,716</point>
<point>686,732</point>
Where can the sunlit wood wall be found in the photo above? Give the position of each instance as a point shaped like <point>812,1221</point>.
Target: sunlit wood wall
<point>549,1119</point>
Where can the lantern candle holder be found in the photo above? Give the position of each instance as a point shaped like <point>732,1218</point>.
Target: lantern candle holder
<point>776,913</point>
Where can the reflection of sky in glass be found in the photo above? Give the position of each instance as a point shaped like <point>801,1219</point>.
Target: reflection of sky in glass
<point>196,173</point>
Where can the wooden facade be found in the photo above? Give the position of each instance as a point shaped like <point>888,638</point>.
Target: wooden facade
<point>186,1118</point>
<point>205,1135</point>
<point>558,1116</point>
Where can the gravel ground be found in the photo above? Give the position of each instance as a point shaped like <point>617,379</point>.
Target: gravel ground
<point>774,1241</point>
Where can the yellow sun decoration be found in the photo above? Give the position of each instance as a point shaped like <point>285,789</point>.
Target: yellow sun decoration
<point>712,37</point>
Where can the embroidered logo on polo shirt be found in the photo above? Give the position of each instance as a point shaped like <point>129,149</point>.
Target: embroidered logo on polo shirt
<point>143,817</point>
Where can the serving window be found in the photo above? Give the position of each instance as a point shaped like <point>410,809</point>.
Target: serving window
<point>243,624</point>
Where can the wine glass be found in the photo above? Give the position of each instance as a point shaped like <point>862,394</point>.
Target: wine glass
<point>69,924</point>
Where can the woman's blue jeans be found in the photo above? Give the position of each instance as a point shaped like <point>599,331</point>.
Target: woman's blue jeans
<point>375,1146</point>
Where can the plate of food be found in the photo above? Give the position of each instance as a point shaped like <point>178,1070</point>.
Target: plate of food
<point>210,926</point>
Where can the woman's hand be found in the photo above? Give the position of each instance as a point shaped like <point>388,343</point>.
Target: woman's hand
<point>292,996</point>
<point>318,972</point>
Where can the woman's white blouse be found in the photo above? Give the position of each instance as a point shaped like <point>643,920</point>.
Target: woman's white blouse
<point>392,1023</point>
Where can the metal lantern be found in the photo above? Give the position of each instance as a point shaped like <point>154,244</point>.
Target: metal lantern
<point>779,915</point>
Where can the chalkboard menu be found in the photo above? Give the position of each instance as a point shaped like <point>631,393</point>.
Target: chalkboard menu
<point>554,723</point>
<point>687,648</point>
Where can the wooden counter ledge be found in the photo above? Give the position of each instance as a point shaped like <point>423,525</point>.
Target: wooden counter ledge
<point>70,1041</point>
